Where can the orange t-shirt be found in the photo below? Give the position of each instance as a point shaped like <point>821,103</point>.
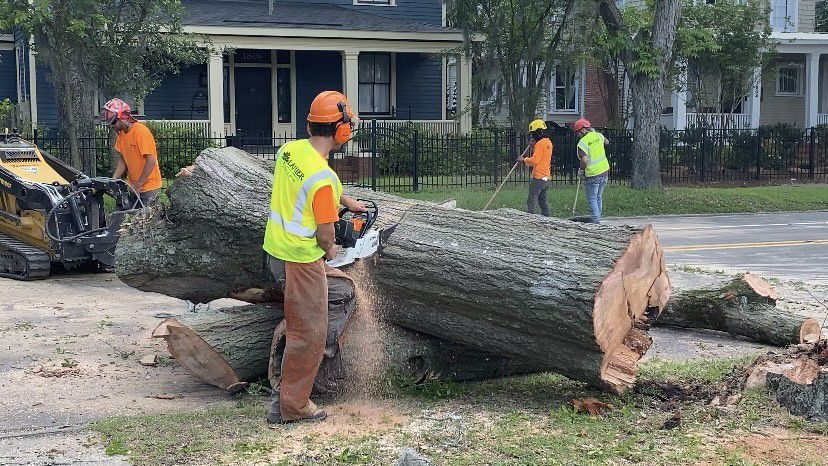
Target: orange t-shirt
<point>324,206</point>
<point>134,146</point>
<point>541,159</point>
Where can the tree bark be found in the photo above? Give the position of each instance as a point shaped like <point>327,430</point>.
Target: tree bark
<point>744,305</point>
<point>230,347</point>
<point>573,302</point>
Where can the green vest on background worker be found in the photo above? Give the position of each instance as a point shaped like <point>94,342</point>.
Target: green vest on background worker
<point>592,156</point>
<point>299,236</point>
<point>540,160</point>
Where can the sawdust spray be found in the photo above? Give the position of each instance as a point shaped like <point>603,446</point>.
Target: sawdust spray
<point>363,353</point>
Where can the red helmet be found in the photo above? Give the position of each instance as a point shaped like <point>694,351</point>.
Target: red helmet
<point>581,124</point>
<point>115,109</point>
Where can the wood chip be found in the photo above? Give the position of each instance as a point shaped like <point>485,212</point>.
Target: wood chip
<point>165,396</point>
<point>150,360</point>
<point>592,406</point>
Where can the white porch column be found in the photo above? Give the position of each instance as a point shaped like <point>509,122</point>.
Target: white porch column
<point>350,78</point>
<point>464,80</point>
<point>812,90</point>
<point>678,100</point>
<point>215,93</point>
<point>756,99</point>
<point>32,82</point>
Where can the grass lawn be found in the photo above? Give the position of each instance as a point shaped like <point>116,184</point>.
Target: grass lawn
<point>621,201</point>
<point>516,421</point>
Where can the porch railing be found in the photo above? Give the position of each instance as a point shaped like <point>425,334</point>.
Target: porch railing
<point>201,127</point>
<point>441,127</point>
<point>719,120</point>
<point>822,119</point>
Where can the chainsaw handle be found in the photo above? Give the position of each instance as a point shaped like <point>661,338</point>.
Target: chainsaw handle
<point>370,216</point>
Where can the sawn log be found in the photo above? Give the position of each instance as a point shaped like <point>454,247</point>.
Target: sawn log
<point>742,305</point>
<point>547,293</point>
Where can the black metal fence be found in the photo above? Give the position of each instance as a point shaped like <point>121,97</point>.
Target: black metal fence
<point>404,158</point>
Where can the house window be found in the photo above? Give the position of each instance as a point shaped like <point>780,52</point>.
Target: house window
<point>375,84</point>
<point>375,2</point>
<point>566,89</point>
<point>784,15</point>
<point>789,81</point>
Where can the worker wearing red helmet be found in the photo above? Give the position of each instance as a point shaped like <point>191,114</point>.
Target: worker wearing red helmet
<point>299,236</point>
<point>136,146</point>
<point>594,164</point>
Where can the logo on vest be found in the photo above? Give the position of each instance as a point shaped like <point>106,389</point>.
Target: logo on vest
<point>292,165</point>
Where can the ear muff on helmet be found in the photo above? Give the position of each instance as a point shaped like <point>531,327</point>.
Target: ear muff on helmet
<point>342,134</point>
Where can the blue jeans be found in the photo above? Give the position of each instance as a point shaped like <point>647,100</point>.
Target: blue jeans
<point>594,194</point>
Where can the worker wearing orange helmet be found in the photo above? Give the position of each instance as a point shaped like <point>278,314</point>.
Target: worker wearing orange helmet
<point>594,165</point>
<point>136,146</point>
<point>299,236</point>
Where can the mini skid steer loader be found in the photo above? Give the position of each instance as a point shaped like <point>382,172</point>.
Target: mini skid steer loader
<point>52,214</point>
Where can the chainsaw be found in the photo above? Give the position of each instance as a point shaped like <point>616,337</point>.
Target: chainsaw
<point>355,234</point>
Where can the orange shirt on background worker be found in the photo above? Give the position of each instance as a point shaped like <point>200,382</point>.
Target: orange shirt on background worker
<point>541,159</point>
<point>133,146</point>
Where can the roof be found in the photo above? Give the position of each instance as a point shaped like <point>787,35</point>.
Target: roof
<point>246,13</point>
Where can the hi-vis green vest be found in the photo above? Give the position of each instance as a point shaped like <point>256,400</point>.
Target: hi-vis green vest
<point>300,172</point>
<point>593,145</point>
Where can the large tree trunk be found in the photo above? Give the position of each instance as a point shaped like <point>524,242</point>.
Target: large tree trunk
<point>744,305</point>
<point>230,348</point>
<point>549,293</point>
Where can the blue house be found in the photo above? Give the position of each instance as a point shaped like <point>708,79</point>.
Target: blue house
<point>388,56</point>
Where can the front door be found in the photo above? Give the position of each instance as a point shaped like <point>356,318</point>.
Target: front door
<point>254,110</point>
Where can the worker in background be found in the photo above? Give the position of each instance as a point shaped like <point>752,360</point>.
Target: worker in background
<point>594,165</point>
<point>136,146</point>
<point>299,236</point>
<point>541,161</point>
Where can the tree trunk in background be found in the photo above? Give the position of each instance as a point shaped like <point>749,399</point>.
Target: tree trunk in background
<point>646,97</point>
<point>572,303</point>
<point>744,305</point>
<point>655,52</point>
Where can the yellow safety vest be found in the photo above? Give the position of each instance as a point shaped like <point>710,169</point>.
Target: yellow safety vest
<point>300,172</point>
<point>593,146</point>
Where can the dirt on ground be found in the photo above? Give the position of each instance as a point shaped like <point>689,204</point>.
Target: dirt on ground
<point>71,351</point>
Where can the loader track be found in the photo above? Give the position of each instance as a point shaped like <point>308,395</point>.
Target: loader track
<point>21,261</point>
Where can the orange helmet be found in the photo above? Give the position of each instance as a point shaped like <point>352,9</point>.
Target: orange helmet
<point>330,107</point>
<point>581,124</point>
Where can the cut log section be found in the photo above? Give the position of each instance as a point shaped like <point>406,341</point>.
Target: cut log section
<point>540,290</point>
<point>548,293</point>
<point>797,378</point>
<point>744,305</point>
<point>230,347</point>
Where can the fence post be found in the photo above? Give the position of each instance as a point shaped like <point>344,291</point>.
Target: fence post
<point>373,155</point>
<point>415,169</point>
<point>703,176</point>
<point>758,153</point>
<point>811,160</point>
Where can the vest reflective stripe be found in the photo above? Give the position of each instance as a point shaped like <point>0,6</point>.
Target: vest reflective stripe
<point>299,174</point>
<point>593,146</point>
<point>292,227</point>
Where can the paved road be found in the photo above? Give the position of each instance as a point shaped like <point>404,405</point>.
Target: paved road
<point>786,245</point>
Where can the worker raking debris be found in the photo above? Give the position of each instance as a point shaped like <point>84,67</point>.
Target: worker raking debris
<point>299,236</point>
<point>541,161</point>
<point>594,165</point>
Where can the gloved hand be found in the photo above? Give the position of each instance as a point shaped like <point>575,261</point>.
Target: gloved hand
<point>580,173</point>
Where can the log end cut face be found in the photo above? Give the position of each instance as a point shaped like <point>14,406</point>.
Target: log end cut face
<point>637,282</point>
